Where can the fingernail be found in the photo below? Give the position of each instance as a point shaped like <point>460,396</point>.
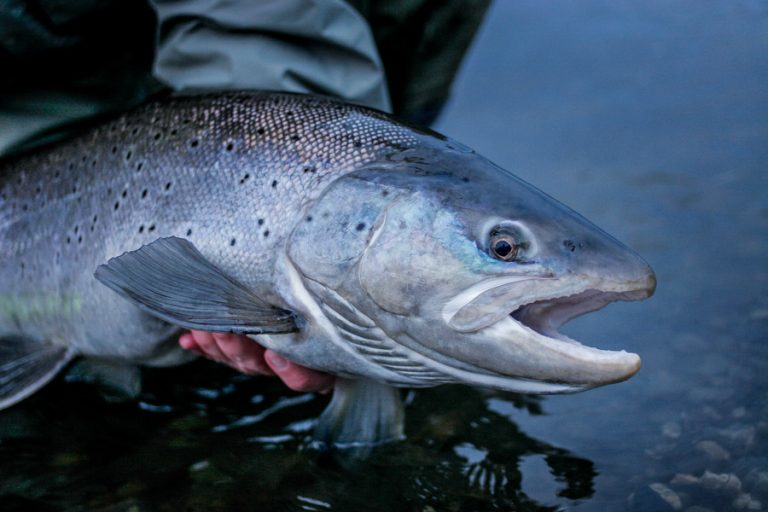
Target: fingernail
<point>276,361</point>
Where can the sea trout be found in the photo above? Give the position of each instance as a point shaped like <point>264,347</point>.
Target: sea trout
<point>349,242</point>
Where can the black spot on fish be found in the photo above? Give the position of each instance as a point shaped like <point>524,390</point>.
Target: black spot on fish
<point>174,131</point>
<point>125,193</point>
<point>74,189</point>
<point>158,135</point>
<point>117,205</point>
<point>93,163</point>
<point>309,218</point>
<point>260,131</point>
<point>139,166</point>
<point>114,150</point>
<point>360,226</point>
<point>232,242</point>
<point>295,138</point>
<point>168,185</point>
<point>80,239</point>
<point>266,233</point>
<point>194,143</point>
<point>189,232</point>
<point>289,113</point>
<point>261,222</point>
<point>151,228</point>
<point>77,228</point>
<point>465,179</point>
<point>24,207</point>
<point>274,183</point>
<point>37,190</point>
<point>385,193</point>
<point>230,146</point>
<point>134,131</point>
<point>128,155</point>
<point>144,193</point>
<point>141,228</point>
<point>109,191</point>
<point>69,239</point>
<point>357,144</point>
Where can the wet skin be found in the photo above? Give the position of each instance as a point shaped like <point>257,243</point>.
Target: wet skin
<point>247,356</point>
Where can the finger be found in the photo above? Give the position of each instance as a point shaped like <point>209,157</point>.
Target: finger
<point>242,353</point>
<point>208,345</point>
<point>297,377</point>
<point>187,342</point>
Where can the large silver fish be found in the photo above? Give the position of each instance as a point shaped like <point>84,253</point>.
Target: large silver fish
<point>349,242</point>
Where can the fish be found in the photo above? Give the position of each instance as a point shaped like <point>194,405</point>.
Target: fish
<point>350,242</point>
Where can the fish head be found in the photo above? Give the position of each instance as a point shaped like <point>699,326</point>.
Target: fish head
<point>472,269</point>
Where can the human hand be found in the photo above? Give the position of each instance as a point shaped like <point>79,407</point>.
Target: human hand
<point>247,356</point>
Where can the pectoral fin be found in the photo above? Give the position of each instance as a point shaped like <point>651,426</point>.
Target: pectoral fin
<point>26,366</point>
<point>362,414</point>
<point>171,280</point>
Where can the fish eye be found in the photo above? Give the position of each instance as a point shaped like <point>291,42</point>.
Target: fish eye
<point>503,246</point>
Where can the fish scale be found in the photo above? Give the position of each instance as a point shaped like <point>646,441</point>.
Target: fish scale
<point>230,172</point>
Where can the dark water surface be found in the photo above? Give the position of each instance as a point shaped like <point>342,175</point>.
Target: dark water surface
<point>651,119</point>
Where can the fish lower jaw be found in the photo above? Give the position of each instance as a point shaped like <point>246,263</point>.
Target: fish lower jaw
<point>559,360</point>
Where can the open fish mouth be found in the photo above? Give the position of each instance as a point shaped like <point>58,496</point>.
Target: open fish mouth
<point>546,316</point>
<point>523,338</point>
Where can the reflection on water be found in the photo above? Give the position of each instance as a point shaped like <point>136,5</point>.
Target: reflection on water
<point>203,438</point>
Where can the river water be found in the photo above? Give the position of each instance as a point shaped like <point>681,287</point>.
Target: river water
<point>651,119</point>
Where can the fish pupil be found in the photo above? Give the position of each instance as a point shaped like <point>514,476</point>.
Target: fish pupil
<point>502,248</point>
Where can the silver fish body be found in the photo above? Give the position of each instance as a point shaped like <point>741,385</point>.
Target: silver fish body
<point>352,243</point>
<point>231,173</point>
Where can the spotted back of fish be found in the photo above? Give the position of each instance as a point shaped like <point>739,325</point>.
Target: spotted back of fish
<point>231,172</point>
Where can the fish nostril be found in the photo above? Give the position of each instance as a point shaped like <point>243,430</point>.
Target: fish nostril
<point>569,245</point>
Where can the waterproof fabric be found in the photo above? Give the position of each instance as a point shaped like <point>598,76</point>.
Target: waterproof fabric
<point>66,62</point>
<point>108,56</point>
<point>422,44</point>
<point>305,46</point>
